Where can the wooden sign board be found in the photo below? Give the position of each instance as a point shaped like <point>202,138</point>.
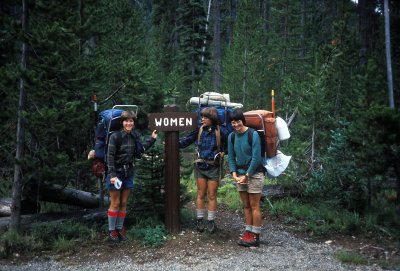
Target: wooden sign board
<point>173,121</point>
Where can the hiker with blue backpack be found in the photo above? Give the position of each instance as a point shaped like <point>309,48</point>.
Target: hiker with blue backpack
<point>245,165</point>
<point>210,139</point>
<point>123,147</point>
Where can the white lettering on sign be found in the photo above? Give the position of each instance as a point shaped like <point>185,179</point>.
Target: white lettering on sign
<point>173,122</point>
<point>158,122</point>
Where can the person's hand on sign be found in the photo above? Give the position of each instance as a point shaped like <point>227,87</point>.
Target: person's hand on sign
<point>154,134</point>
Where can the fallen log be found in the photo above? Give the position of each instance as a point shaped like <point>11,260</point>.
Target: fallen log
<point>273,191</point>
<point>27,206</point>
<point>38,219</point>
<point>57,194</point>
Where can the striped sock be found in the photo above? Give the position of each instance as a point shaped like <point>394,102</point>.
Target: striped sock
<point>112,219</point>
<point>120,220</point>
<point>200,213</point>
<point>211,215</point>
<point>256,230</point>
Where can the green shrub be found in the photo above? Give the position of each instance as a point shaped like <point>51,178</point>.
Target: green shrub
<point>149,236</point>
<point>187,215</point>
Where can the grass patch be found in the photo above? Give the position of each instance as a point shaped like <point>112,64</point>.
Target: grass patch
<point>319,219</point>
<point>63,245</point>
<point>191,186</point>
<point>12,241</point>
<point>69,230</point>
<point>228,195</point>
<point>350,257</point>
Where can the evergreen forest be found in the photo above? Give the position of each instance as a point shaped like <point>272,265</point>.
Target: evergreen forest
<point>334,67</point>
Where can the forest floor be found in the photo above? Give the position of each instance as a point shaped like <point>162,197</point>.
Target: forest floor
<point>188,244</point>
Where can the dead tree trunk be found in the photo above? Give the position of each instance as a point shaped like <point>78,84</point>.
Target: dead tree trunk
<point>217,46</point>
<point>15,220</point>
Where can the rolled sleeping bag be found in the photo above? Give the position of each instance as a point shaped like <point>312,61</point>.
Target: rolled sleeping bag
<point>207,102</point>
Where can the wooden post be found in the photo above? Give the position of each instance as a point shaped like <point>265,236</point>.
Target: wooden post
<point>172,172</point>
<point>171,122</point>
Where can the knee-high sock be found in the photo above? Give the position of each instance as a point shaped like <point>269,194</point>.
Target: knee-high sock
<point>120,220</point>
<point>112,219</point>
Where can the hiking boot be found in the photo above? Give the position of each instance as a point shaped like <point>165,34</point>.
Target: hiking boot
<point>249,239</point>
<point>244,236</point>
<point>211,226</point>
<point>113,236</point>
<point>122,235</point>
<point>200,225</point>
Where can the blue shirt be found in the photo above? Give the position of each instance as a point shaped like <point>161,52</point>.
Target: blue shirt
<point>244,158</point>
<point>207,148</point>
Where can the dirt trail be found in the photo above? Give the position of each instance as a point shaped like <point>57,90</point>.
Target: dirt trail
<point>280,249</point>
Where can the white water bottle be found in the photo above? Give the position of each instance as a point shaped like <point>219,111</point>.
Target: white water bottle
<point>117,183</point>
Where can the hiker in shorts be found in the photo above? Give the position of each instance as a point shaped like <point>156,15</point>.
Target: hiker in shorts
<point>210,140</point>
<point>245,165</point>
<point>124,146</point>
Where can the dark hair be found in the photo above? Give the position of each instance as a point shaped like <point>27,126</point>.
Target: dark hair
<point>211,113</point>
<point>128,115</point>
<point>236,115</point>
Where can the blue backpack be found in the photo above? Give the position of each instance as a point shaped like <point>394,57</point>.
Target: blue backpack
<point>110,122</point>
<point>223,116</point>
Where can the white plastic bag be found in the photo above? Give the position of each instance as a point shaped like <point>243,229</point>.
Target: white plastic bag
<point>277,164</point>
<point>282,129</point>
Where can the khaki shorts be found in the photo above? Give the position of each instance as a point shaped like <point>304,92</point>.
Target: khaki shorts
<point>254,185</point>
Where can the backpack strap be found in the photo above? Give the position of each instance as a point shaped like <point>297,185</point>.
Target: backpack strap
<point>199,134</point>
<point>218,137</point>
<point>249,137</point>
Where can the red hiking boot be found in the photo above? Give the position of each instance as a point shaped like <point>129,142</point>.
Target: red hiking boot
<point>113,236</point>
<point>249,239</point>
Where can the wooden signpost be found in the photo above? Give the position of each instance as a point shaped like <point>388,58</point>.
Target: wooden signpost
<point>171,122</point>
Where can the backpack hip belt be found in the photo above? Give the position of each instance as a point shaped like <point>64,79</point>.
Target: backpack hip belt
<point>245,167</point>
<point>201,160</point>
